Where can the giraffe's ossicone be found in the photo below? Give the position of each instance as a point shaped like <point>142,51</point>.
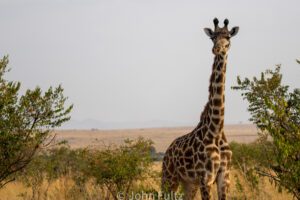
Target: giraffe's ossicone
<point>200,158</point>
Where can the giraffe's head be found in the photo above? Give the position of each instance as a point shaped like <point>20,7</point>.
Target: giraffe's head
<point>221,37</point>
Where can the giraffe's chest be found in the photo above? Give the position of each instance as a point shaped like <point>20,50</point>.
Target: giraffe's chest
<point>194,166</point>
<point>193,157</point>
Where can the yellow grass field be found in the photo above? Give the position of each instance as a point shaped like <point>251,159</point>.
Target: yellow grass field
<point>162,137</point>
<point>58,190</point>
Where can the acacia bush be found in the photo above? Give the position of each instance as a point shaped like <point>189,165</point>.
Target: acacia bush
<point>60,163</point>
<point>119,168</point>
<point>275,110</point>
<point>26,122</point>
<point>89,173</point>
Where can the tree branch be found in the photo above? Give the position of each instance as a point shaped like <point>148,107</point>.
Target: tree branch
<point>3,184</point>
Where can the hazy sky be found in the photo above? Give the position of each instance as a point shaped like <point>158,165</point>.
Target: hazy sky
<point>145,60</point>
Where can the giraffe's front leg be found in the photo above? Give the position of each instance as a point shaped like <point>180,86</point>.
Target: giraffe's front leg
<point>170,183</point>
<point>205,185</point>
<point>190,191</point>
<point>205,192</point>
<point>223,181</point>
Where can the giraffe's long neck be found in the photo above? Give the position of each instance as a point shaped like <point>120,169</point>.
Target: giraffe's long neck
<point>213,115</point>
<point>216,98</point>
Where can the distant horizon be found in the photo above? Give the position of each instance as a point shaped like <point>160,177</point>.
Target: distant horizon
<point>88,124</point>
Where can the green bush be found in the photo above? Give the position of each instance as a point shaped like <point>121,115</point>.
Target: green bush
<point>276,112</point>
<point>62,164</point>
<point>90,173</point>
<point>119,168</point>
<point>26,122</point>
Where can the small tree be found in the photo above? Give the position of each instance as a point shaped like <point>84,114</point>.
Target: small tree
<point>90,173</point>
<point>26,122</point>
<point>276,113</point>
<point>63,164</point>
<point>118,168</point>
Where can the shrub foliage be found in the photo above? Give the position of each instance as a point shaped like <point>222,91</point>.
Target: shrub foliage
<point>25,122</point>
<point>110,171</point>
<point>276,112</point>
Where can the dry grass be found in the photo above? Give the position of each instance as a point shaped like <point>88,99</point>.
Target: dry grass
<point>59,189</point>
<point>162,137</point>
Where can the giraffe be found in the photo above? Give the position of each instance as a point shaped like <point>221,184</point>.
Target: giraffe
<point>202,157</point>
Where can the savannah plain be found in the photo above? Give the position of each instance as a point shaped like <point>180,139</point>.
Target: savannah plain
<point>161,137</point>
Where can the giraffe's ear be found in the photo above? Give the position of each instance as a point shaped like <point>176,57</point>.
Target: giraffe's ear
<point>208,32</point>
<point>234,31</point>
